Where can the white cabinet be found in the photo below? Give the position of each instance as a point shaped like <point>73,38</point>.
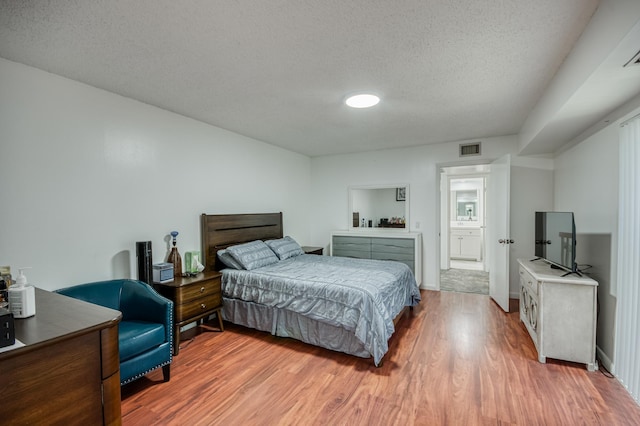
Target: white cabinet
<point>559,312</point>
<point>403,247</point>
<point>466,244</point>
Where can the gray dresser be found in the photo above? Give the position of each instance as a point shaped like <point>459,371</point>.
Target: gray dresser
<point>405,247</point>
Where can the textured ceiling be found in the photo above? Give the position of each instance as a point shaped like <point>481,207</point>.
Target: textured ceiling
<point>278,71</point>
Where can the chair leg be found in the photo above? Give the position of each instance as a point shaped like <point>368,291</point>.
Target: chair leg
<point>166,372</point>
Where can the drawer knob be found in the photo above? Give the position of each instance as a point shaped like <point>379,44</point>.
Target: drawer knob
<point>203,306</point>
<point>202,289</point>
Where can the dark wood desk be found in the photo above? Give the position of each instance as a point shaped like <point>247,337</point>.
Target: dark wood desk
<point>67,368</point>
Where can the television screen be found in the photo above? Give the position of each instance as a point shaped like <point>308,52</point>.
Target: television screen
<point>555,234</point>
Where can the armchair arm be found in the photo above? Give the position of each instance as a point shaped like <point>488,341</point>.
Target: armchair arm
<point>139,301</point>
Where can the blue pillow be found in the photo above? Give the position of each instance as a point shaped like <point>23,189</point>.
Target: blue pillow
<point>252,255</point>
<point>285,247</point>
<point>229,261</point>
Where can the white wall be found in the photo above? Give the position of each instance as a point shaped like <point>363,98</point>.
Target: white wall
<point>84,174</point>
<point>418,166</point>
<point>586,182</point>
<point>531,191</point>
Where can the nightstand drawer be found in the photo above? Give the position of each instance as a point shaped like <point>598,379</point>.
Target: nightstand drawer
<point>197,307</point>
<point>198,291</point>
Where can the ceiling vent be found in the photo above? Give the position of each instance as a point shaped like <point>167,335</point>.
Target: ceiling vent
<point>634,61</point>
<point>467,149</point>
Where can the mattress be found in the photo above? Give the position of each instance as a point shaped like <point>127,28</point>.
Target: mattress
<point>323,300</point>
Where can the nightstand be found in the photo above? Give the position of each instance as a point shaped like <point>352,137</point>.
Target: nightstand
<point>312,250</point>
<point>194,298</point>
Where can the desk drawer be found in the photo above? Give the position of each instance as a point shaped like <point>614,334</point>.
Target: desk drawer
<point>197,307</point>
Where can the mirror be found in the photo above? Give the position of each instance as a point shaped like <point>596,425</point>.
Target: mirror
<point>380,207</point>
<point>466,205</point>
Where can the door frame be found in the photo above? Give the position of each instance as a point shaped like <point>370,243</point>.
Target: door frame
<point>480,163</point>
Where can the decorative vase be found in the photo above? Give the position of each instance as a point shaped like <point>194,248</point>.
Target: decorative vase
<point>174,257</point>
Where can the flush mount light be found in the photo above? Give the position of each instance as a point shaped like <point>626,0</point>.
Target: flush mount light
<point>364,100</point>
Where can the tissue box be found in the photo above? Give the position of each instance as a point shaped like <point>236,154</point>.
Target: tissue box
<point>163,273</point>
<point>7,329</point>
<point>191,260</point>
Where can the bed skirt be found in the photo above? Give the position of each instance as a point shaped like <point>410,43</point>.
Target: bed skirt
<point>284,323</point>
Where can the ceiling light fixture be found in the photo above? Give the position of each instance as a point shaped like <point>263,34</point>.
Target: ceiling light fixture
<point>364,100</point>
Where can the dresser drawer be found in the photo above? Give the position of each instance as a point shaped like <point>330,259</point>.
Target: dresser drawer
<point>345,246</point>
<point>407,261</point>
<point>404,257</point>
<point>394,242</point>
<point>198,306</point>
<point>351,247</point>
<point>346,252</point>
<point>393,245</point>
<point>361,241</point>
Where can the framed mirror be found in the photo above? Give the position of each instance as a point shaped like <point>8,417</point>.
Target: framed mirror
<point>466,201</point>
<point>466,205</point>
<point>379,207</point>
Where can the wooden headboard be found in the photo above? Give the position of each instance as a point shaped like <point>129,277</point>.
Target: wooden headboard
<point>219,231</point>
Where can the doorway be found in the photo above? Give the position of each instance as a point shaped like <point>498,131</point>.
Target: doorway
<point>463,251</point>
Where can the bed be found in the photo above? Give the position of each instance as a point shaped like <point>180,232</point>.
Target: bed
<point>342,304</point>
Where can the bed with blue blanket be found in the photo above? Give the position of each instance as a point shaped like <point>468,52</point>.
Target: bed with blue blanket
<point>269,284</point>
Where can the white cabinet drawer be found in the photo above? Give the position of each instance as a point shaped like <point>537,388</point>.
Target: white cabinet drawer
<point>527,281</point>
<point>465,232</point>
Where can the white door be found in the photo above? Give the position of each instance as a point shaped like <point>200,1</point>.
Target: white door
<point>444,221</point>
<point>500,241</point>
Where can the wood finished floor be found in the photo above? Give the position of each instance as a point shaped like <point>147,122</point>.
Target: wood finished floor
<point>456,360</point>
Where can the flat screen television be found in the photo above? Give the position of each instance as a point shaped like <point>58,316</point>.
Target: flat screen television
<point>556,240</point>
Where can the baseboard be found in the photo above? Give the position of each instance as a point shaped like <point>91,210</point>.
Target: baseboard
<point>605,361</point>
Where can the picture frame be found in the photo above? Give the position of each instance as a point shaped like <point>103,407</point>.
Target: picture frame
<point>401,194</point>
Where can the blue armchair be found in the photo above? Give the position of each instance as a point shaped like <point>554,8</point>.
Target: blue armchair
<point>145,331</point>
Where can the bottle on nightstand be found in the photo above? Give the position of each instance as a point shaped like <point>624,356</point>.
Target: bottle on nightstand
<point>174,257</point>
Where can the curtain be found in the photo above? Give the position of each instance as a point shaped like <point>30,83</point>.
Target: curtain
<point>627,347</point>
